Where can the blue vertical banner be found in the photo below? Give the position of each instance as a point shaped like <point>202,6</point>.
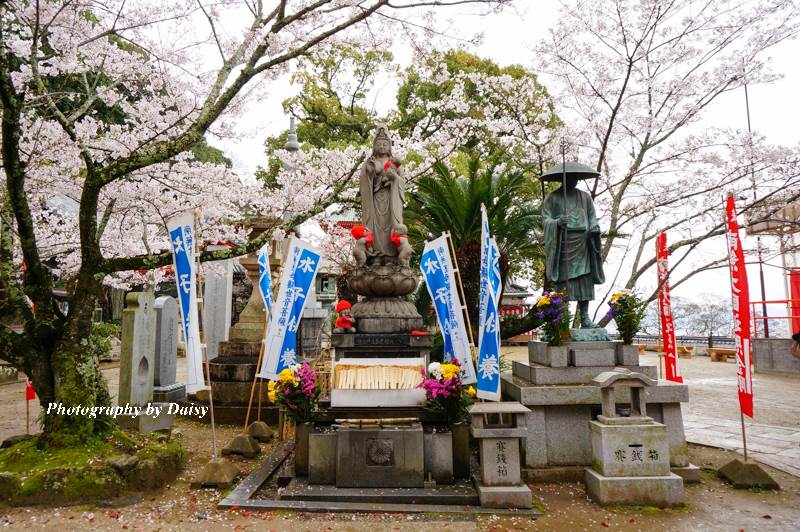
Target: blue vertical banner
<point>264,281</point>
<point>437,268</point>
<point>280,343</point>
<point>489,315</point>
<point>182,243</point>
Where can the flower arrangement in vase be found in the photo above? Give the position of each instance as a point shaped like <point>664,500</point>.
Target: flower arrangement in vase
<point>444,392</point>
<point>297,391</point>
<point>553,309</point>
<point>627,310</point>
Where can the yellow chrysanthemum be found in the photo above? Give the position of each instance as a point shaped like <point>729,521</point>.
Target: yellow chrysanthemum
<point>616,296</point>
<point>287,376</point>
<point>544,300</point>
<point>272,395</point>
<point>471,391</point>
<point>271,385</point>
<point>449,371</point>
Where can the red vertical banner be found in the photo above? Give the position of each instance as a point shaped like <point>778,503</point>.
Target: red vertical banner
<point>30,393</point>
<point>794,297</point>
<point>740,298</point>
<point>665,310</point>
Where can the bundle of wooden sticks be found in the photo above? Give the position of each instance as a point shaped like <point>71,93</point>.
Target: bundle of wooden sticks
<point>378,377</point>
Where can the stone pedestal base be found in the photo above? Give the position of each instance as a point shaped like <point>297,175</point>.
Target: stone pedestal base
<point>662,491</point>
<point>386,315</point>
<point>596,334</point>
<point>504,496</point>
<point>382,345</point>
<point>690,473</point>
<point>173,393</point>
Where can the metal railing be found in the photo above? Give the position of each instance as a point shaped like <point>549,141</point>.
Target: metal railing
<point>705,341</point>
<point>789,303</point>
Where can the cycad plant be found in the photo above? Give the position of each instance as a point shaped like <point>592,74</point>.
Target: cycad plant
<point>449,200</point>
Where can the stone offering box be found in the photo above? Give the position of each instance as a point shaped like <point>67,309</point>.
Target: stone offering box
<point>377,382</point>
<point>555,384</point>
<point>499,427</point>
<point>630,454</point>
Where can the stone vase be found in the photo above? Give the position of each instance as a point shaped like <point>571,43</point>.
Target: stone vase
<point>301,433</point>
<point>627,355</point>
<point>439,456</point>
<point>552,356</point>
<point>461,451</point>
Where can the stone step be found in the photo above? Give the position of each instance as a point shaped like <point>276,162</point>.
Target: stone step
<point>461,493</point>
<point>237,393</point>
<point>518,389</point>
<point>574,354</point>
<point>236,349</point>
<point>537,374</point>
<point>233,369</point>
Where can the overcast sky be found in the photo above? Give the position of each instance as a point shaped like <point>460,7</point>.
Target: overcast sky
<point>509,38</point>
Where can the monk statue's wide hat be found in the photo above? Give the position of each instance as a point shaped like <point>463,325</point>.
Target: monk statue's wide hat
<point>574,170</point>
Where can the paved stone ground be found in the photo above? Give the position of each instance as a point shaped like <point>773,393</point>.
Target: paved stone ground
<point>711,416</point>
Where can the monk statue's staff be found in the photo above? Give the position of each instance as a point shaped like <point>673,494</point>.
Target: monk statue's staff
<point>564,241</point>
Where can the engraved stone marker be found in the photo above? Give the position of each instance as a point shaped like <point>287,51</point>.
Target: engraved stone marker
<point>138,349</point>
<point>217,303</point>
<point>166,352</point>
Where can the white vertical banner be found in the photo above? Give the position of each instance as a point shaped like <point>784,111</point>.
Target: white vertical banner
<point>437,268</point>
<point>297,277</point>
<point>183,245</point>
<point>489,316</point>
<point>264,281</point>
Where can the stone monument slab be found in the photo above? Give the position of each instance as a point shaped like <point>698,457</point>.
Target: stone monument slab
<point>165,388</point>
<point>217,303</point>
<point>137,352</point>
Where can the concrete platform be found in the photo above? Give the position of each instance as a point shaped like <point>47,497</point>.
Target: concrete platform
<point>541,375</point>
<point>243,496</point>
<point>460,493</point>
<point>518,389</point>
<point>509,497</point>
<point>663,492</point>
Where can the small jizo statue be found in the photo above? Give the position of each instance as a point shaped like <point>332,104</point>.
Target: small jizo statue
<point>400,239</point>
<point>363,243</point>
<point>345,323</point>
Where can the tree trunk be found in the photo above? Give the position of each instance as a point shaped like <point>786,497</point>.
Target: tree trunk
<point>78,379</point>
<point>469,267</point>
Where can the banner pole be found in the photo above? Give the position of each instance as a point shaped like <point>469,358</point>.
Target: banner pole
<point>473,353</point>
<point>203,347</point>
<point>744,435</point>
<point>261,349</point>
<point>733,308</point>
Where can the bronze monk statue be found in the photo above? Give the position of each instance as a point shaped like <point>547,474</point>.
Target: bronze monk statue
<point>572,238</point>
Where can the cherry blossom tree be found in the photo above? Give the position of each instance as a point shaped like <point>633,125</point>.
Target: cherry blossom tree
<point>102,102</point>
<point>635,80</point>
